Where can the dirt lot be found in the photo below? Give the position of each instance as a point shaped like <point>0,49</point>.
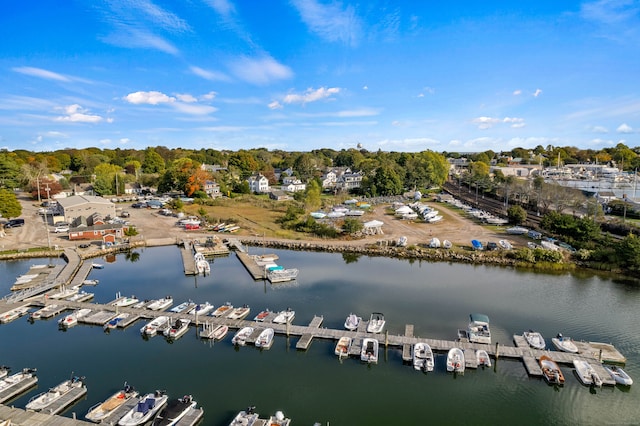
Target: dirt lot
<point>152,226</point>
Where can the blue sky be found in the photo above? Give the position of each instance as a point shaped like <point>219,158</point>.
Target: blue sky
<point>305,74</point>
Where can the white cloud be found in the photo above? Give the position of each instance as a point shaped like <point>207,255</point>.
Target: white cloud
<point>194,109</point>
<point>609,12</point>
<point>186,98</point>
<point>624,128</point>
<point>516,122</point>
<point>209,75</point>
<point>485,122</point>
<point>208,96</point>
<point>365,87</point>
<point>41,73</point>
<point>330,21</point>
<point>311,95</point>
<point>124,141</point>
<point>517,92</point>
<point>152,98</point>
<point>599,129</point>
<point>76,114</point>
<point>537,93</point>
<point>275,105</point>
<point>260,71</point>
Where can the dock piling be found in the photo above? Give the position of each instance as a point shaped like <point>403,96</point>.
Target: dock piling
<point>497,350</point>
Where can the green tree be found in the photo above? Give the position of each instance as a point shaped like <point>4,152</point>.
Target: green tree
<point>9,171</point>
<point>517,215</point>
<point>386,181</point>
<point>9,204</point>
<point>312,195</point>
<point>628,252</point>
<point>153,162</point>
<point>352,226</point>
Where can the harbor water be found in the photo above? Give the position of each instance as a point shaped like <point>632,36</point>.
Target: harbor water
<point>314,385</point>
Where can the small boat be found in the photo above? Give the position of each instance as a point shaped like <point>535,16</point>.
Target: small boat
<point>505,245</point>
<point>146,408</point>
<point>239,313</point>
<point>551,371</point>
<point>265,339</point>
<point>203,267</point>
<point>343,346</point>
<point>97,266</point>
<point>126,301</point>
<point>113,323</point>
<point>65,292</point>
<point>182,307</point>
<point>240,338</point>
<point>619,375</point>
<point>45,399</point>
<point>482,357</point>
<point>178,329</point>
<point>455,360</point>
<point>318,215</point>
<point>434,243</point>
<point>352,322</point>
<point>209,331</point>
<point>478,329</point>
<point>369,352</point>
<point>4,371</point>
<point>535,339</point>
<point>103,409</point>
<point>284,317</point>
<point>80,296</point>
<point>90,282</point>
<point>586,373</point>
<point>40,313</point>
<point>245,418</point>
<point>477,245</point>
<point>423,357</point>
<point>175,410</point>
<point>517,230</point>
<point>222,310</point>
<point>17,378</point>
<point>72,319</point>
<point>279,420</point>
<point>447,244</point>
<point>160,304</point>
<point>14,314</point>
<point>282,275</point>
<point>158,324</point>
<point>262,315</point>
<point>564,344</point>
<point>201,309</point>
<point>376,323</point>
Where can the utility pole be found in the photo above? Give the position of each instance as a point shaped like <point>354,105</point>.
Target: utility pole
<point>46,221</point>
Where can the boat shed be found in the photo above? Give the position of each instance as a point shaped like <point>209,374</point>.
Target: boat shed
<point>86,205</point>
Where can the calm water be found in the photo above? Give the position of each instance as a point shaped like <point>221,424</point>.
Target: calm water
<point>314,386</point>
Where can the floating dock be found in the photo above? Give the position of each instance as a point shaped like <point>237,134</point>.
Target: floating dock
<point>17,389</point>
<point>188,261</point>
<point>66,401</point>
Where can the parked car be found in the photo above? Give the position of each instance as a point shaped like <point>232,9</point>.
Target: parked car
<point>492,246</point>
<point>124,213</point>
<point>61,228</point>
<point>14,223</point>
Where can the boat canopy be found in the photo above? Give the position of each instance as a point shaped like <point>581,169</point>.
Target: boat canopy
<point>479,318</point>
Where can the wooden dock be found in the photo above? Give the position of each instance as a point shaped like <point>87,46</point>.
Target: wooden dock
<point>66,401</point>
<point>188,261</point>
<point>256,271</point>
<point>18,416</point>
<point>17,389</point>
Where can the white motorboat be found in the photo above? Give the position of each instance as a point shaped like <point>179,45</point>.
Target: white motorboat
<point>13,314</point>
<point>64,292</point>
<point>126,301</point>
<point>423,357</point>
<point>343,346</point>
<point>279,420</point>
<point>376,323</point>
<point>160,304</point>
<point>586,373</point>
<point>245,418</point>
<point>565,344</point>
<point>265,339</point>
<point>352,322</point>
<point>240,338</point>
<point>369,351</point>
<point>239,313</point>
<point>455,360</point>
<point>216,332</point>
<point>4,371</point>
<point>80,296</point>
<point>15,379</point>
<point>158,324</point>
<point>517,230</point>
<point>45,399</point>
<point>178,329</point>
<point>284,317</point>
<point>90,282</point>
<point>505,245</point>
<point>478,329</point>
<point>282,275</point>
<point>447,244</point>
<point>434,243</point>
<point>175,410</point>
<point>619,375</point>
<point>222,310</point>
<point>72,319</point>
<point>201,309</point>
<point>97,266</point>
<point>103,409</point>
<point>146,408</point>
<point>262,315</point>
<point>202,265</point>
<point>482,357</point>
<point>535,339</point>
<point>184,306</point>
<point>43,312</point>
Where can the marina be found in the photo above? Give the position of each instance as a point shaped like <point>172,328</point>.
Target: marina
<point>304,348</point>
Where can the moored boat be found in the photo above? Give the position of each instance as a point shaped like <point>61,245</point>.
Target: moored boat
<point>551,371</point>
<point>72,319</point>
<point>147,407</point>
<point>182,307</point>
<point>103,409</point>
<point>282,275</point>
<point>265,339</point>
<point>160,304</point>
<point>126,301</point>
<point>482,357</point>
<point>114,322</point>
<point>222,310</point>
<point>201,309</point>
<point>262,315</point>
<point>535,339</point>
<point>245,418</point>
<point>14,379</point>
<point>369,351</point>
<point>478,329</point>
<point>14,314</point>
<point>175,410</point>
<point>158,324</point>
<point>423,357</point>
<point>343,346</point>
<point>240,338</point>
<point>352,322</point>
<point>90,282</point>
<point>45,399</point>
<point>565,344</point>
<point>455,360</point>
<point>619,375</point>
<point>284,317</point>
<point>376,323</point>
<point>279,419</point>
<point>586,373</point>
<point>239,313</point>
<point>178,329</point>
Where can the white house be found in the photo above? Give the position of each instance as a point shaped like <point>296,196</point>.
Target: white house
<point>258,183</point>
<point>349,181</point>
<point>295,186</point>
<point>212,189</point>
